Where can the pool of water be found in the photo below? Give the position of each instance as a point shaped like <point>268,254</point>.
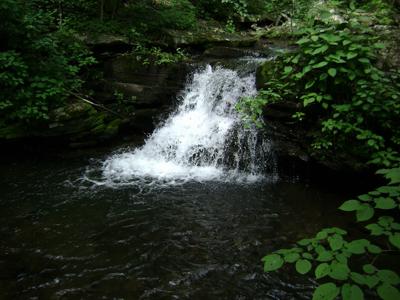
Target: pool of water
<point>64,238</point>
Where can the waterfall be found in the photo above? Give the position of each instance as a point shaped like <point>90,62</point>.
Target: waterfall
<point>203,140</point>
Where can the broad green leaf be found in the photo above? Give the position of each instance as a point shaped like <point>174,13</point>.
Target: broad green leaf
<point>394,239</point>
<point>321,49</point>
<point>351,55</point>
<point>357,246</point>
<point>303,266</point>
<point>388,292</point>
<point>272,262</point>
<point>375,229</point>
<point>365,197</point>
<point>292,257</point>
<point>332,72</point>
<point>321,235</point>
<point>308,101</point>
<point>322,270</point>
<point>352,292</point>
<point>303,41</point>
<point>379,45</point>
<point>335,242</point>
<point>326,291</point>
<point>385,203</point>
<point>330,37</point>
<point>358,278</point>
<point>325,256</point>
<point>320,65</point>
<point>374,249</point>
<point>307,255</point>
<point>304,242</point>
<point>339,271</point>
<point>350,205</point>
<point>288,69</point>
<point>388,276</point>
<point>385,221</point>
<point>369,269</point>
<point>310,84</point>
<point>392,174</point>
<point>371,280</point>
<point>364,213</point>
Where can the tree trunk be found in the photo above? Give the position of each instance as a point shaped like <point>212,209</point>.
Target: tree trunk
<point>101,10</point>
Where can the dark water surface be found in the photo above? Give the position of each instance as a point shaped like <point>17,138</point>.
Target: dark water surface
<point>60,238</point>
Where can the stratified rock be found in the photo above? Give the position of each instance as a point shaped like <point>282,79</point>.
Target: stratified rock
<point>106,42</point>
<point>207,38</point>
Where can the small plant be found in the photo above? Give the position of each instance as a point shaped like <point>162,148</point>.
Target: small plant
<point>157,56</point>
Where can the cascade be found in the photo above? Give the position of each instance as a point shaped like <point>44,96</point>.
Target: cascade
<point>203,140</point>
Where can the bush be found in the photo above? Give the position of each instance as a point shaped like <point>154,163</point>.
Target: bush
<point>38,65</point>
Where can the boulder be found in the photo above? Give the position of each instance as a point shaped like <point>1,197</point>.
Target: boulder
<point>106,42</point>
<point>151,85</point>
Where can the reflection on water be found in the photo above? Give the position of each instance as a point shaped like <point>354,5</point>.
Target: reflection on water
<point>62,239</point>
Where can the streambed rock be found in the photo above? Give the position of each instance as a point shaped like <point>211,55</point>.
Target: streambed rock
<point>207,38</point>
<point>152,85</point>
<point>77,122</point>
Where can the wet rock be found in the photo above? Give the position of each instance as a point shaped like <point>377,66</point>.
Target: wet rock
<point>106,42</point>
<point>77,123</point>
<point>207,38</point>
<point>265,73</point>
<point>227,52</point>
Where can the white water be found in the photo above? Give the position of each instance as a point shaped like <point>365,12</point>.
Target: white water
<point>203,140</point>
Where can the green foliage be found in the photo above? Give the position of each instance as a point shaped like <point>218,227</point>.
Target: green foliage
<point>150,16</point>
<point>38,64</point>
<point>335,77</point>
<point>157,56</point>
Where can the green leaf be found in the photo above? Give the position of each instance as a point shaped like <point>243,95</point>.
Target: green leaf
<point>339,271</point>
<point>357,246</point>
<point>358,278</point>
<point>394,239</point>
<point>385,203</point>
<point>310,84</point>
<point>351,55</point>
<point>374,249</point>
<point>388,276</point>
<point>392,174</point>
<point>321,235</point>
<point>329,37</point>
<point>332,72</point>
<point>292,257</point>
<point>272,262</point>
<point>288,69</point>
<point>352,292</point>
<point>365,198</point>
<point>379,45</point>
<point>325,256</point>
<point>335,242</point>
<point>326,291</point>
<point>304,242</point>
<point>388,292</point>
<point>321,49</point>
<point>369,269</point>
<point>364,213</point>
<point>371,280</point>
<point>320,65</point>
<point>303,266</point>
<point>308,256</point>
<point>303,41</point>
<point>308,101</point>
<point>375,229</point>
<point>322,270</point>
<point>350,205</point>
